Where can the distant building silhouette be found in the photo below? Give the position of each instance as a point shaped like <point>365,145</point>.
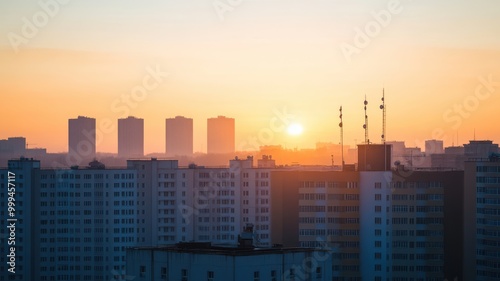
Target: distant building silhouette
<point>13,146</point>
<point>82,138</point>
<point>434,147</point>
<point>220,135</point>
<point>131,137</point>
<point>453,157</point>
<point>480,149</point>
<point>179,136</point>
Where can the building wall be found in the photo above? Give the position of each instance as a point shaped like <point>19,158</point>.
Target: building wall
<point>179,136</point>
<point>220,135</point>
<point>15,146</point>
<point>470,209</point>
<point>81,139</point>
<point>131,137</point>
<point>427,226</point>
<point>149,264</point>
<point>73,224</point>
<point>318,208</point>
<point>375,224</point>
<point>374,157</point>
<point>157,184</point>
<point>434,147</point>
<point>201,204</point>
<point>481,219</point>
<point>86,220</point>
<point>479,149</point>
<point>25,178</point>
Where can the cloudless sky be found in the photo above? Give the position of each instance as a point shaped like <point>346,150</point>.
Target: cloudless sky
<point>262,58</point>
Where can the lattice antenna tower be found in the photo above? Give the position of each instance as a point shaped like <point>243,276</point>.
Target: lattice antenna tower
<point>341,125</point>
<point>383,107</point>
<point>365,126</point>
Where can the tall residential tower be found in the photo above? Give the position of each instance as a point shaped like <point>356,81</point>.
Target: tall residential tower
<point>131,137</point>
<point>220,135</point>
<point>81,138</point>
<point>179,136</point>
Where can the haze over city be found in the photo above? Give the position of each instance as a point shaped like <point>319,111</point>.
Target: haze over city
<point>248,63</point>
<point>250,140</point>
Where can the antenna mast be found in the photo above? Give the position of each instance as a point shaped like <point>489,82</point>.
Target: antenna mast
<point>383,115</point>
<point>365,126</point>
<point>341,125</point>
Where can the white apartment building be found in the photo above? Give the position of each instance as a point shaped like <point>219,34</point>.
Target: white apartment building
<point>73,224</point>
<point>201,204</point>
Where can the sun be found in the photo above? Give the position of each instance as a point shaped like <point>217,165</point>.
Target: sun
<point>295,129</point>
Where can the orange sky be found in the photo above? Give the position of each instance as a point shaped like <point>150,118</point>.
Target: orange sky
<point>260,60</point>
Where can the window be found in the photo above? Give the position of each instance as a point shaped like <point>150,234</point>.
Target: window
<point>274,276</point>
<point>318,273</point>
<point>210,276</point>
<point>184,275</point>
<point>142,271</point>
<point>378,197</point>
<point>163,273</point>
<point>256,276</point>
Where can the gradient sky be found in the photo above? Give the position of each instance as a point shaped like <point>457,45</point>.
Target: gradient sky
<point>263,57</point>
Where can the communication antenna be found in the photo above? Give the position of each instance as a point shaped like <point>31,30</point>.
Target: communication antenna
<point>365,126</point>
<point>382,106</point>
<point>341,125</point>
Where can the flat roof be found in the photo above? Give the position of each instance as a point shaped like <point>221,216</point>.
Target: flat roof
<point>207,248</point>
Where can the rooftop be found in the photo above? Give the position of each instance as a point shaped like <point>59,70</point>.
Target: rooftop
<point>208,248</point>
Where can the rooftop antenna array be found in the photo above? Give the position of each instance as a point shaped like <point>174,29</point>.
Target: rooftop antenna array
<point>365,126</point>
<point>341,125</point>
<point>382,106</point>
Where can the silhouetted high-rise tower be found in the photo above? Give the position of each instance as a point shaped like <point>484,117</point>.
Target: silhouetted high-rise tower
<point>131,137</point>
<point>220,135</point>
<point>81,139</point>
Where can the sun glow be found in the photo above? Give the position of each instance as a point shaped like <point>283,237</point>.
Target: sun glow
<point>295,129</point>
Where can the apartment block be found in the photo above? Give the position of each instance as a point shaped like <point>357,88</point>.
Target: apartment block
<point>73,224</point>
<point>481,219</point>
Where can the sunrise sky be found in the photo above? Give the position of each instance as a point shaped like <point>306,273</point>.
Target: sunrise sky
<point>259,58</point>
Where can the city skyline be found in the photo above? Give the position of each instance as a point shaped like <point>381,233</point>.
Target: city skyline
<point>292,130</point>
<point>247,66</point>
<point>250,140</point>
